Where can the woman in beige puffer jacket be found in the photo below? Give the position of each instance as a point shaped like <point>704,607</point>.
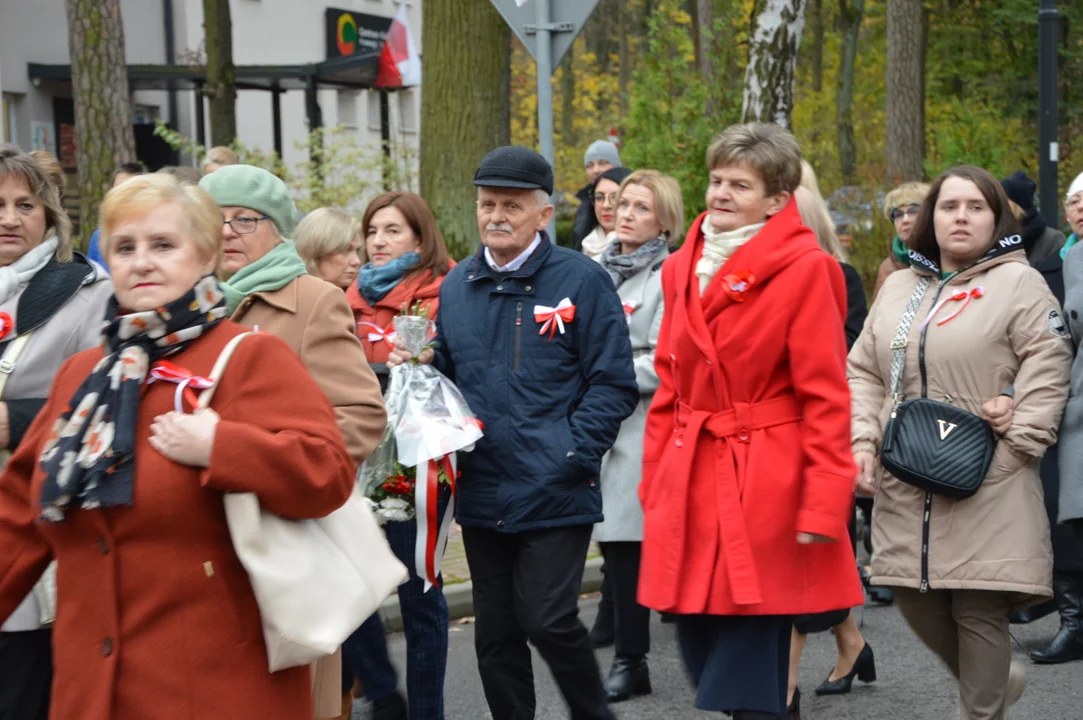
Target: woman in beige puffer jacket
<point>960,566</point>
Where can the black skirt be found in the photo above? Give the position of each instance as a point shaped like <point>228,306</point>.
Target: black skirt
<point>26,674</point>
<point>737,662</point>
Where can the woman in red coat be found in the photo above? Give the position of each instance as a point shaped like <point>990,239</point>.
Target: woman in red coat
<point>156,617</point>
<point>747,474</point>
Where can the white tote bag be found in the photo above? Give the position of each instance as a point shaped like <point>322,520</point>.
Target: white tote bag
<point>315,581</point>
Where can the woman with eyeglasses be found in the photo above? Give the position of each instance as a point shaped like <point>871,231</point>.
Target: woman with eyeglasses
<point>268,287</point>
<point>901,207</point>
<point>604,195</point>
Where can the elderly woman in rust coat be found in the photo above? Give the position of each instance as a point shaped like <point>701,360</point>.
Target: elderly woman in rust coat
<point>156,617</point>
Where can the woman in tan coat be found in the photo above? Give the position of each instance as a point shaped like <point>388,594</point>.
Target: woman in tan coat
<point>268,287</point>
<point>986,323</point>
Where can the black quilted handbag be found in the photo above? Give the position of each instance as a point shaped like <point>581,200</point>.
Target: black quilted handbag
<point>932,445</point>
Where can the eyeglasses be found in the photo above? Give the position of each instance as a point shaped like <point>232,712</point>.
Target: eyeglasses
<point>899,213</point>
<point>602,197</point>
<point>244,225</point>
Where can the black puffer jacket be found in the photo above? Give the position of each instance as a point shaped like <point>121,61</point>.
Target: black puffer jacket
<point>1041,242</point>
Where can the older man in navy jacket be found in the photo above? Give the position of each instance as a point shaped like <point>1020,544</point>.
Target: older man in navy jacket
<point>535,337</point>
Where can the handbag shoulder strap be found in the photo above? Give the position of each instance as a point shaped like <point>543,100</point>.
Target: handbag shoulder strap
<point>216,372</point>
<point>11,354</point>
<point>898,344</point>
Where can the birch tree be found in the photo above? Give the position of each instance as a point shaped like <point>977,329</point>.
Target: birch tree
<point>772,62</point>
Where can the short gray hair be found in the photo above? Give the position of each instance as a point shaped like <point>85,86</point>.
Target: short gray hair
<point>541,198</point>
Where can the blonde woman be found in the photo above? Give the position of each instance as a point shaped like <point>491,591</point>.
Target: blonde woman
<point>329,241</point>
<point>855,657</point>
<point>649,214</point>
<point>217,157</point>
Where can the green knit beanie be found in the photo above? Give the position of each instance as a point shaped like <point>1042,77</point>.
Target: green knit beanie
<point>252,187</point>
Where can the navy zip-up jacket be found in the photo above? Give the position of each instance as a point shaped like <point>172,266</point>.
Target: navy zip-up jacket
<point>551,406</point>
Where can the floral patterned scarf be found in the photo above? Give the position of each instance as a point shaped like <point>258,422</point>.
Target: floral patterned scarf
<point>90,454</point>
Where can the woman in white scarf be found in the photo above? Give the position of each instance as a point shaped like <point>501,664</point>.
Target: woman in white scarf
<point>604,196</point>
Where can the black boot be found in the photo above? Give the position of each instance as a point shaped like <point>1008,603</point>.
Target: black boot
<point>627,678</point>
<point>392,707</point>
<point>1068,643</point>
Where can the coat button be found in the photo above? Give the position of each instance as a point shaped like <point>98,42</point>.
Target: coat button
<point>103,545</point>
<point>678,442</point>
<point>500,523</point>
<point>743,435</point>
<point>499,287</point>
<point>107,647</point>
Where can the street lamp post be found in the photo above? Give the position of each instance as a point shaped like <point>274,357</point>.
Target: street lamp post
<point>1048,151</point>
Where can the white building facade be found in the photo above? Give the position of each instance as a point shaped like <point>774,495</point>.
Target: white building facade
<point>37,108</point>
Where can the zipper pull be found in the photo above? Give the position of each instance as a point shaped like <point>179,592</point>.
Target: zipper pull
<point>924,586</point>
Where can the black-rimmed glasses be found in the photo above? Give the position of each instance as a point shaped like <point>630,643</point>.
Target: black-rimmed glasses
<point>243,224</point>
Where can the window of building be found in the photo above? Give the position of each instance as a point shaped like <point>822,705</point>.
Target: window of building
<point>408,110</point>
<point>347,108</point>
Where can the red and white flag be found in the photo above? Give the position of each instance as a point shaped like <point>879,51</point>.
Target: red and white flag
<point>400,64</point>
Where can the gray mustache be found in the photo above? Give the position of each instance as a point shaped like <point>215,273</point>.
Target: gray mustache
<point>499,227</point>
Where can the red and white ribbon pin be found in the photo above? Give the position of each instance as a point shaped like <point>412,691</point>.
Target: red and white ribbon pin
<point>185,380</point>
<point>630,306</point>
<point>554,318</point>
<point>431,531</point>
<point>386,334</point>
<point>965,296</point>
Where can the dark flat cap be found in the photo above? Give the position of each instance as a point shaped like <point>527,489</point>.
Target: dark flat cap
<point>517,167</point>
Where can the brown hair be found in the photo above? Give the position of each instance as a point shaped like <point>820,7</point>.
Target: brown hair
<point>770,150</point>
<point>923,236</point>
<point>51,167</point>
<point>419,217</point>
<point>15,161</point>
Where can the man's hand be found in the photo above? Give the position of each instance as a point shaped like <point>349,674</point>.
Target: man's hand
<point>185,439</point>
<point>998,413</point>
<point>865,482</point>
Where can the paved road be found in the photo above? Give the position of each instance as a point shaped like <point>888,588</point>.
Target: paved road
<point>911,686</point>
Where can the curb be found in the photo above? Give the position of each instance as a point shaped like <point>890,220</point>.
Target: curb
<point>460,598</point>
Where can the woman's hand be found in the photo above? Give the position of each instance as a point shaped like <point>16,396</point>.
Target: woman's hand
<point>865,482</point>
<point>811,539</point>
<point>185,439</point>
<point>399,356</point>
<point>998,413</point>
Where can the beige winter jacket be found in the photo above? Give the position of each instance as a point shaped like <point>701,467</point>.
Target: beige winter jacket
<point>1011,336</point>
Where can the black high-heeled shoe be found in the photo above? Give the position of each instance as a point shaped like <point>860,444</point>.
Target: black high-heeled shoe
<point>628,678</point>
<point>793,712</point>
<point>864,669</point>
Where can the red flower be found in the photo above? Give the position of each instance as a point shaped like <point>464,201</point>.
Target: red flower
<point>6,325</point>
<point>738,284</point>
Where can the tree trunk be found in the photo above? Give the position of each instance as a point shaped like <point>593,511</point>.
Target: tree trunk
<point>567,99</point>
<point>851,13</point>
<point>221,88</point>
<point>705,48</point>
<point>103,105</point>
<point>816,19</point>
<point>905,102</point>
<point>625,69</point>
<point>460,121</point>
<point>772,62</point>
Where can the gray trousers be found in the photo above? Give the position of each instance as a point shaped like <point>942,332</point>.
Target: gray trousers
<point>968,630</point>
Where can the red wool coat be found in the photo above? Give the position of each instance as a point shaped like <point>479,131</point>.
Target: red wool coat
<point>421,288</point>
<point>155,614</point>
<point>748,438</point>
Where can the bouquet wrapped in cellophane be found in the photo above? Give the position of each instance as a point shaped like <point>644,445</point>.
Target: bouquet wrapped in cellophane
<point>428,421</point>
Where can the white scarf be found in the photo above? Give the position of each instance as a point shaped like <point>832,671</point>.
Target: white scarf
<point>595,243</point>
<point>718,247</point>
<point>17,275</point>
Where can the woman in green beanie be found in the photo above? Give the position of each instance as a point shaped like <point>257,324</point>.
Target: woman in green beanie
<point>267,287</point>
